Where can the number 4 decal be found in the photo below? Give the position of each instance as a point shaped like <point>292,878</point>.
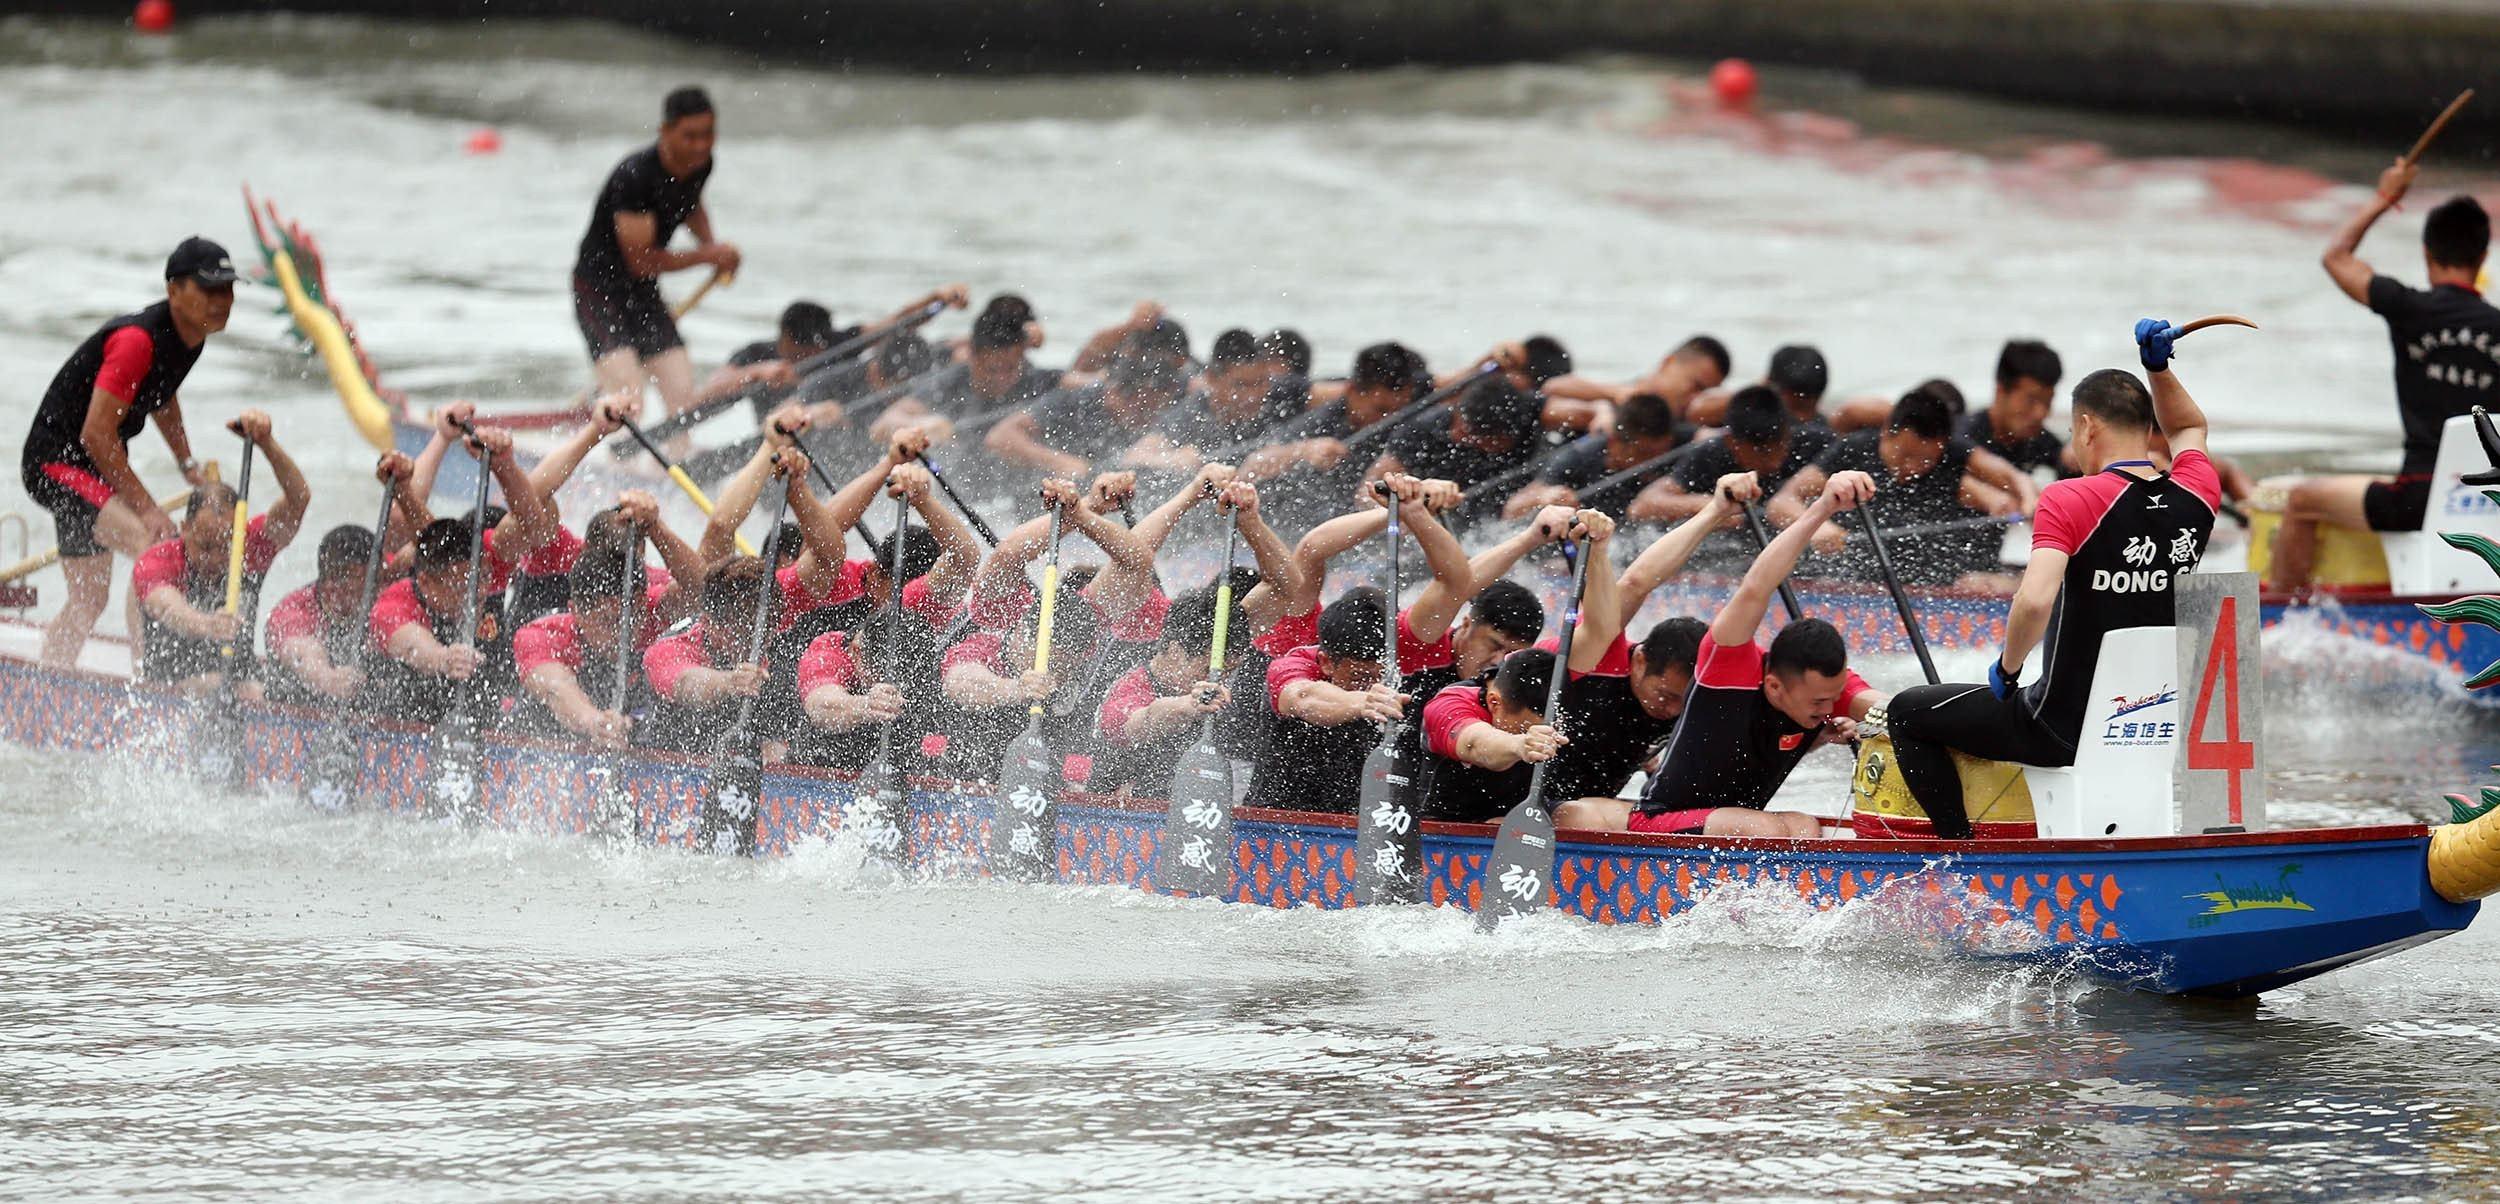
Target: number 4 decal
<point>2231,754</point>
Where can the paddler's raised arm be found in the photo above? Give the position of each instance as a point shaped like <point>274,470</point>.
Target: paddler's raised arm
<point>607,416</point>
<point>429,462</point>
<point>1434,609</point>
<point>2343,259</point>
<point>1667,555</point>
<point>739,494</point>
<point>1268,548</point>
<point>1742,616</point>
<point>530,524</point>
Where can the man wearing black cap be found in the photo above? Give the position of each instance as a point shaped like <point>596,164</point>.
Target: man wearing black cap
<point>616,276</point>
<point>77,458</point>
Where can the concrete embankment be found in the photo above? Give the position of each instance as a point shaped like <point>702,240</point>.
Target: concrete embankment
<point>2371,66</point>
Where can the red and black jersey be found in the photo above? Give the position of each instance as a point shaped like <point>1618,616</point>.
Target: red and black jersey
<point>1732,748</point>
<point>146,377</point>
<point>2127,539</point>
<point>1457,790</point>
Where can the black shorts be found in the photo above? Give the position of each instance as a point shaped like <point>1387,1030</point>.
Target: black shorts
<point>2397,505</point>
<point>634,317</point>
<point>73,514</point>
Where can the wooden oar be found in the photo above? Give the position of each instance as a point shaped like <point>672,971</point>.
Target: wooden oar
<point>1900,597</point>
<point>612,812</point>
<point>219,751</point>
<point>695,298</point>
<point>454,763</point>
<point>1519,873</point>
<point>878,810</point>
<point>979,526</point>
<point>685,484</point>
<point>336,762</point>
<point>1762,541</point>
<point>693,416</point>
<point>1024,824</point>
<point>2439,123</point>
<point>1388,843</point>
<point>725,821</point>
<point>1195,856</point>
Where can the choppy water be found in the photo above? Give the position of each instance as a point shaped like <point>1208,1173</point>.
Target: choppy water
<point>216,997</point>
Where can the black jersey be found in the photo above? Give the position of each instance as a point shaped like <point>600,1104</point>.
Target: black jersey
<point>1732,748</point>
<point>2447,343</point>
<point>55,436</point>
<point>637,184</point>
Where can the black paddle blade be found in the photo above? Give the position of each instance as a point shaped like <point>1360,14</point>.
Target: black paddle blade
<point>1388,842</point>
<point>879,815</point>
<point>217,743</point>
<point>333,767</point>
<point>1519,875</point>
<point>612,814</point>
<point>1024,826</point>
<point>1196,854</point>
<point>454,785</point>
<point>725,820</point>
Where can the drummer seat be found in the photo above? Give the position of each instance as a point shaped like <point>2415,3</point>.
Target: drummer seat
<point>2420,562</point>
<point>2120,783</point>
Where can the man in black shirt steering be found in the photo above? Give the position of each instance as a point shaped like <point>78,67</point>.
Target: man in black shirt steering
<point>616,276</point>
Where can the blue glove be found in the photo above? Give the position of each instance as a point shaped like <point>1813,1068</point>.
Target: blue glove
<point>2000,682</point>
<point>2152,342</point>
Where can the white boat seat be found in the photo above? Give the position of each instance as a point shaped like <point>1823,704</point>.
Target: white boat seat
<point>2120,783</point>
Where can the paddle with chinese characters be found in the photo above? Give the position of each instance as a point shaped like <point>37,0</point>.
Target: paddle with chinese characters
<point>879,814</point>
<point>725,821</point>
<point>217,748</point>
<point>1195,856</point>
<point>612,812</point>
<point>337,755</point>
<point>1024,825</point>
<point>1518,874</point>
<point>1388,842</point>
<point>454,764</point>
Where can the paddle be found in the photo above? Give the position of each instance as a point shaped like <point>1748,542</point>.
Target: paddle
<point>52,556</point>
<point>1195,856</point>
<point>725,820</point>
<point>219,736</point>
<point>695,298</point>
<point>612,813</point>
<point>336,762</point>
<point>1024,826</point>
<point>1762,541</point>
<point>453,764</point>
<point>879,811</point>
<point>1518,873</point>
<point>1900,598</point>
<point>971,515</point>
<point>685,484</point>
<point>1388,843</point>
<point>1397,418</point>
<point>695,415</point>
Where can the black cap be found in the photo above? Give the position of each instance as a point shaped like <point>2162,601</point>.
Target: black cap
<point>200,260</point>
<point>1800,370</point>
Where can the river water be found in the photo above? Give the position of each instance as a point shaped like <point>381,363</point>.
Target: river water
<point>221,997</point>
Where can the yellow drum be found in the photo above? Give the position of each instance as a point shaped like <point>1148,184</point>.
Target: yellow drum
<point>2345,557</point>
<point>1994,792</point>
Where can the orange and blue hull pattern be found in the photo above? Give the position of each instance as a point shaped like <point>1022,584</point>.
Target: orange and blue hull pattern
<point>2213,915</point>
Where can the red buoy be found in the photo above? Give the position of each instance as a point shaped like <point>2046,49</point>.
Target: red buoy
<point>484,141</point>
<point>1733,82</point>
<point>153,16</point>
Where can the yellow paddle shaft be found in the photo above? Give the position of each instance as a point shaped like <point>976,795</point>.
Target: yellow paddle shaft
<point>695,298</point>
<point>1223,620</point>
<point>695,493</point>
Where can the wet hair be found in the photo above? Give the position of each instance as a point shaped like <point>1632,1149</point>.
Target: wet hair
<point>787,542</point>
<point>1232,349</point>
<point>1495,407</point>
<point>442,543</point>
<point>495,514</point>
<point>2116,397</point>
<point>1525,678</point>
<point>1800,370</point>
<point>1072,630</point>
<point>1001,323</point>
<point>1383,366</point>
<point>1510,608</point>
<point>1673,643</point>
<point>920,554</point>
<point>807,324</point>
<point>1288,345</point>
<point>344,547</point>
<point>1166,340</point>
<point>1945,391</point>
<point>1757,415</point>
<point>1922,414</point>
<point>689,101</point>
<point>1644,416</point>
<point>2028,359</point>
<point>1807,646</point>
<point>731,589</point>
<point>1418,373</point>
<point>600,574</point>
<point>1547,358</point>
<point>1078,577</point>
<point>2457,234</point>
<point>904,356</point>
<point>1190,625</point>
<point>1146,376</point>
<point>1708,348</point>
<point>1353,626</point>
<point>214,497</point>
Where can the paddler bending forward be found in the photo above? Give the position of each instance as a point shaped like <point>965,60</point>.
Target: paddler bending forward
<point>1753,713</point>
<point>2105,550</point>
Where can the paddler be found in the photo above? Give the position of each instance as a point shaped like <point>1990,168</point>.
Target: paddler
<point>1761,438</point>
<point>2447,357</point>
<point>568,661</point>
<point>1643,428</point>
<point>76,462</point>
<point>180,584</point>
<point>1754,712</point>
<point>616,275</point>
<point>1924,471</point>
<point>311,634</point>
<point>1574,402</point>
<point>2105,550</point>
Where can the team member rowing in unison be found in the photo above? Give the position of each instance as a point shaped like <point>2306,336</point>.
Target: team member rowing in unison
<point>1761,438</point>
<point>616,273</point>
<point>1578,403</point>
<point>1642,429</point>
<point>1926,474</point>
<point>180,584</point>
<point>768,371</point>
<point>1754,713</point>
<point>312,633</point>
<point>76,462</point>
<point>2104,552</point>
<point>568,661</point>
<point>2447,357</point>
